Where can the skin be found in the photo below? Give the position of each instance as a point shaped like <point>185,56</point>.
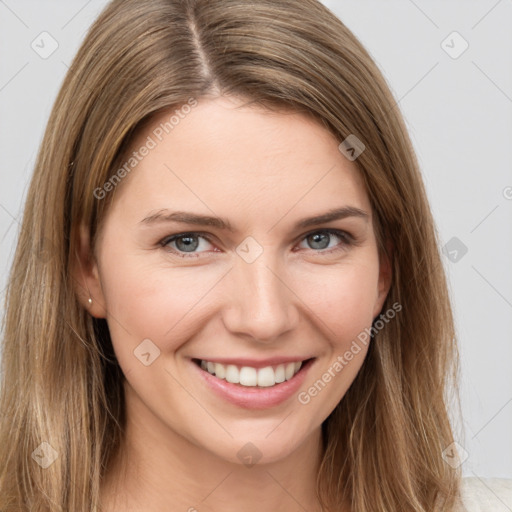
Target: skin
<point>263,171</point>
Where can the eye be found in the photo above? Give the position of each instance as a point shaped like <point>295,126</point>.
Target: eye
<point>185,244</point>
<point>321,240</point>
<point>189,245</point>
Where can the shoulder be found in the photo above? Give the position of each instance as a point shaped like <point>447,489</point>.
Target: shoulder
<point>486,494</point>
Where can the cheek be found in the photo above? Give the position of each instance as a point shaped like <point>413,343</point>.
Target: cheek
<point>156,303</point>
<point>342,297</point>
<point>343,304</point>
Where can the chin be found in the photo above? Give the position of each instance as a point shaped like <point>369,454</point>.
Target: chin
<point>258,444</point>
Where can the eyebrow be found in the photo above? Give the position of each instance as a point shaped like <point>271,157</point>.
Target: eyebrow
<point>164,216</point>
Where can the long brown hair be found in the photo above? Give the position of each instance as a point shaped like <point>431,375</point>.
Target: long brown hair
<point>61,383</point>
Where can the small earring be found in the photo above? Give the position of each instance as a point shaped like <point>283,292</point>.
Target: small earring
<point>90,301</point>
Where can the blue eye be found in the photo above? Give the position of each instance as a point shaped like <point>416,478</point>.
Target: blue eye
<point>321,239</point>
<point>186,245</point>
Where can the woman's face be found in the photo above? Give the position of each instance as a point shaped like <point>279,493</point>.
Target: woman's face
<point>242,278</point>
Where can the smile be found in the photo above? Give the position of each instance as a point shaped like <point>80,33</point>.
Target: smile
<point>250,376</point>
<point>250,384</point>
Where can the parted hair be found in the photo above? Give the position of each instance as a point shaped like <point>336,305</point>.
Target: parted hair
<point>61,383</point>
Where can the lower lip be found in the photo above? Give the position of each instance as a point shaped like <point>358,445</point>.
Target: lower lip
<point>251,397</point>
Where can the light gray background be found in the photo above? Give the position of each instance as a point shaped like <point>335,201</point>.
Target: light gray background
<point>458,111</point>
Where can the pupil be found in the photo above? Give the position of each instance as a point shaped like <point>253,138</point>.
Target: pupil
<point>317,239</point>
<point>189,246</point>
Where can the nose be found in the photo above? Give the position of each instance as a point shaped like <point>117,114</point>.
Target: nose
<point>261,304</point>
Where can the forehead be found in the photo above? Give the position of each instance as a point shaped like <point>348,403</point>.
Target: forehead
<point>223,156</point>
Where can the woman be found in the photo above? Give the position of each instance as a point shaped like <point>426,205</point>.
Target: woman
<point>241,303</point>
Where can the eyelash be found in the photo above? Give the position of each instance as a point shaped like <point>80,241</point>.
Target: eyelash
<point>347,241</point>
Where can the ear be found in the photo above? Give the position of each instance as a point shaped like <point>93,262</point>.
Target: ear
<point>385,276</point>
<point>86,276</point>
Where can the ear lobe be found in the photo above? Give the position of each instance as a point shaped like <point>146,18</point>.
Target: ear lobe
<point>86,277</point>
<point>385,277</point>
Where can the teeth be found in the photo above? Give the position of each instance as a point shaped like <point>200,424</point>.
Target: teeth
<point>220,370</point>
<point>280,374</point>
<point>248,376</point>
<point>232,374</point>
<point>288,370</point>
<point>266,377</point>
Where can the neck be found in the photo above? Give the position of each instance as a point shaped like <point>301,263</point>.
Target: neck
<point>157,469</point>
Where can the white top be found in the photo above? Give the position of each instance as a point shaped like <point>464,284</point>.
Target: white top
<point>487,494</point>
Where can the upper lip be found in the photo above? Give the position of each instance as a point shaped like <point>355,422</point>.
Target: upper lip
<point>254,363</point>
